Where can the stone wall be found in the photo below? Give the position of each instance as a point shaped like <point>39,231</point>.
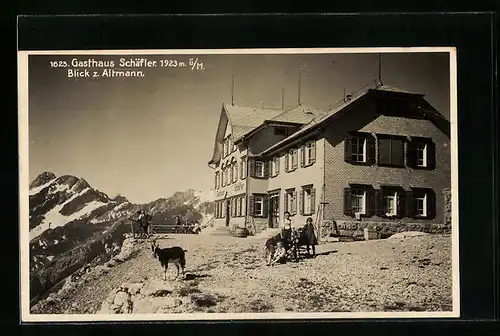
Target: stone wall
<point>386,229</point>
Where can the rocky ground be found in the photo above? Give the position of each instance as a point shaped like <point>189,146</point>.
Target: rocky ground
<point>228,274</point>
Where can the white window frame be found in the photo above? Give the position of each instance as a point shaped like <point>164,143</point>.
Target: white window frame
<point>394,197</point>
<point>292,153</point>
<point>362,195</point>
<point>357,139</point>
<point>274,166</point>
<point>424,206</point>
<point>291,200</point>
<point>259,169</point>
<point>243,171</point>
<point>258,200</point>
<point>308,151</point>
<point>421,162</point>
<point>306,199</point>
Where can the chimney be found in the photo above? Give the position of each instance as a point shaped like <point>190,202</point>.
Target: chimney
<point>261,104</point>
<point>348,97</point>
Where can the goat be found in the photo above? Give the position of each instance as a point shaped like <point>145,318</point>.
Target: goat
<point>174,255</point>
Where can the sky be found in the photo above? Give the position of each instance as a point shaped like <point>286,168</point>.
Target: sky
<point>147,137</point>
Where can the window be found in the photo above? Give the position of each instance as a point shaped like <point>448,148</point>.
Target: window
<point>359,148</point>
<point>390,150</point>
<point>243,168</point>
<point>275,166</point>
<point>235,172</point>
<point>238,206</point>
<point>291,201</point>
<point>421,203</point>
<point>359,200</point>
<point>258,206</point>
<point>291,160</point>
<point>223,178</point>
<point>280,131</point>
<point>217,180</point>
<point>230,177</point>
<point>421,154</point>
<point>243,205</point>
<point>259,169</point>
<point>390,202</point>
<point>308,154</point>
<point>307,200</point>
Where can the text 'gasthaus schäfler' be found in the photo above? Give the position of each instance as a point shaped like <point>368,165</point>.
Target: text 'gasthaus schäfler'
<point>91,67</point>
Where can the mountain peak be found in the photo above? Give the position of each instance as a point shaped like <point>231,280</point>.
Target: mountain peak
<point>42,179</point>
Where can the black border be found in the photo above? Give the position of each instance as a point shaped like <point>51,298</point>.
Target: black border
<point>472,34</point>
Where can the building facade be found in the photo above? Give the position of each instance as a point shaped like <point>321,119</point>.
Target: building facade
<point>378,159</point>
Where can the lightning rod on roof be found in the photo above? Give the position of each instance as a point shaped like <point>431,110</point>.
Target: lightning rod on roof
<point>232,92</point>
<point>380,68</point>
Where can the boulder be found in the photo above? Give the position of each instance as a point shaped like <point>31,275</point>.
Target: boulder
<point>157,288</point>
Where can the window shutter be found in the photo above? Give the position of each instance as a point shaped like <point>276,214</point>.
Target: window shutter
<point>431,155</point>
<point>287,161</point>
<point>370,150</point>
<point>313,200</point>
<point>313,152</point>
<point>348,149</point>
<point>302,155</point>
<point>410,204</point>
<point>401,205</point>
<point>278,159</point>
<point>301,202</point>
<point>380,202</point>
<point>265,167</point>
<point>347,202</point>
<point>265,205</point>
<point>431,204</point>
<point>294,203</point>
<point>294,158</point>
<point>251,205</point>
<point>285,198</point>
<point>397,152</point>
<point>411,154</point>
<point>243,206</point>
<point>370,202</point>
<point>270,169</point>
<point>232,207</point>
<point>252,168</point>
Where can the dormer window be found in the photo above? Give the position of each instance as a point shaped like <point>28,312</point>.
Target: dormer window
<point>281,131</point>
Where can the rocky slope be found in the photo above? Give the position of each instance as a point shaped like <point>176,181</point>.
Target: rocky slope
<point>71,223</point>
<point>228,275</point>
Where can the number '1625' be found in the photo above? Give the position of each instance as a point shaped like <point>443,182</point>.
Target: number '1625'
<point>58,64</point>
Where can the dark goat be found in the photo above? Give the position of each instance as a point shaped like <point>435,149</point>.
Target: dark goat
<point>175,255</point>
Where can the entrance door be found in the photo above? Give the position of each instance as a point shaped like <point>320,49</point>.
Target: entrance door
<point>274,210</point>
<point>228,212</point>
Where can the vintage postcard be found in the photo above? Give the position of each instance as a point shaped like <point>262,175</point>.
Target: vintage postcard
<point>238,184</point>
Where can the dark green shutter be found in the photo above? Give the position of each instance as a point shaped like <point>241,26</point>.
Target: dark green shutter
<point>252,167</point>
<point>347,202</point>
<point>397,152</point>
<point>401,205</point>
<point>301,202</point>
<point>411,154</point>
<point>380,202</point>
<point>370,150</point>
<point>370,202</point>
<point>265,166</point>
<point>431,155</point>
<point>348,149</point>
<point>287,163</point>
<point>251,206</point>
<point>313,200</point>
<point>410,204</point>
<point>265,205</point>
<point>431,204</point>
<point>384,151</point>
<point>313,151</point>
<point>302,155</point>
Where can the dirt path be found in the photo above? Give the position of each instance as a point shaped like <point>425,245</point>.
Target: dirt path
<point>411,274</point>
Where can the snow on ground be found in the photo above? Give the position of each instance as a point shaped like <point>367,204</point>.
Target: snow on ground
<point>40,188</point>
<point>55,219</point>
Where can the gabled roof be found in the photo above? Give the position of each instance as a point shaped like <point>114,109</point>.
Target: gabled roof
<point>339,107</point>
<point>244,119</point>
<point>299,114</point>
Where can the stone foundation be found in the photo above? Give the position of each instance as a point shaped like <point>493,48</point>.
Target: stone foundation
<point>385,229</point>
<point>447,206</point>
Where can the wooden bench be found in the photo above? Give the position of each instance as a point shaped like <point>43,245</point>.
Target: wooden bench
<point>171,228</point>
